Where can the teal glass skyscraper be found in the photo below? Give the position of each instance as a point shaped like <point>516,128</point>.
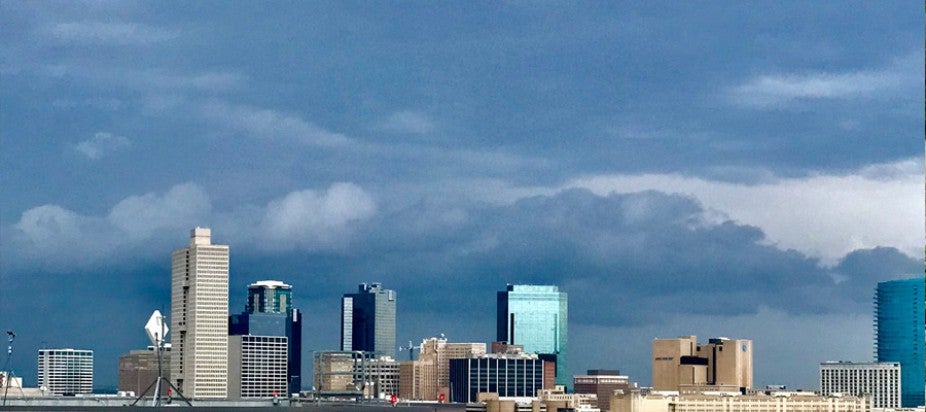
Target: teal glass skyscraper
<point>899,334</point>
<point>535,317</point>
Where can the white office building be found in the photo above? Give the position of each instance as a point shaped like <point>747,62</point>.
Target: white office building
<point>878,380</point>
<point>66,371</point>
<point>199,317</point>
<point>257,366</point>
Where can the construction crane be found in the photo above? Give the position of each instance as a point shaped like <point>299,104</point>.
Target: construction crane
<point>410,348</point>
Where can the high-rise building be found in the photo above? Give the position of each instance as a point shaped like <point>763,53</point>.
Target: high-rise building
<point>66,371</point>
<point>667,363</point>
<point>269,312</point>
<point>535,317</point>
<point>138,370</point>
<point>269,296</point>
<point>683,362</point>
<point>880,381</point>
<point>516,375</point>
<point>368,320</point>
<point>899,334</point>
<point>257,366</point>
<point>602,383</point>
<point>199,317</point>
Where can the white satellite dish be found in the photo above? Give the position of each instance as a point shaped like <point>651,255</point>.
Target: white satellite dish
<point>156,328</point>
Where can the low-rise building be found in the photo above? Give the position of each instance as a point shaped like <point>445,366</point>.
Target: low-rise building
<point>355,373</point>
<point>879,380</point>
<point>66,371</point>
<point>602,383</point>
<point>138,371</point>
<point>508,376</point>
<point>257,366</point>
<point>634,401</point>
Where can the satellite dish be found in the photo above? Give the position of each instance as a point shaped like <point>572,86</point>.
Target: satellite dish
<point>156,328</point>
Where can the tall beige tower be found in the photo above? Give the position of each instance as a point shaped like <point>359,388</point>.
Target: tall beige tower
<point>729,362</point>
<point>667,359</point>
<point>199,317</point>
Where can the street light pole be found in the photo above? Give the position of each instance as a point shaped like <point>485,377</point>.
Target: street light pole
<point>9,365</point>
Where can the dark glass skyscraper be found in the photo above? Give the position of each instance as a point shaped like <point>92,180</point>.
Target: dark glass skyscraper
<point>900,334</point>
<point>368,320</point>
<point>536,317</point>
<point>269,312</point>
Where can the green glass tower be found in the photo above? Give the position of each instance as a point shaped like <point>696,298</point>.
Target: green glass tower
<point>536,317</point>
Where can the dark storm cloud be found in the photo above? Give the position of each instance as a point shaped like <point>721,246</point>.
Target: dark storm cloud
<point>863,269</point>
<point>425,107</point>
<point>625,259</point>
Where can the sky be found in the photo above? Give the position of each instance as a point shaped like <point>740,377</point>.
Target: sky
<point>739,169</point>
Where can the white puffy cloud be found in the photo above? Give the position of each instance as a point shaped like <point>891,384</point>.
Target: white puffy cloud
<point>314,219</point>
<point>53,237</point>
<point>49,222</point>
<point>148,225</point>
<point>183,206</point>
<point>823,215</point>
<point>101,144</point>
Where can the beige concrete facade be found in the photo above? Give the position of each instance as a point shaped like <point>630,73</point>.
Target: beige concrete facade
<point>551,400</point>
<point>729,361</point>
<point>602,384</point>
<point>707,402</point>
<point>430,375</point>
<point>667,354</point>
<point>199,317</point>
<point>334,371</point>
<point>683,362</point>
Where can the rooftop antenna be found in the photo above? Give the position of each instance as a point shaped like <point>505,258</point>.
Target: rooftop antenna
<point>157,329</point>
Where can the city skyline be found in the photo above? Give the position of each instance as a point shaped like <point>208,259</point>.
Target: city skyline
<point>274,296</point>
<point>718,169</point>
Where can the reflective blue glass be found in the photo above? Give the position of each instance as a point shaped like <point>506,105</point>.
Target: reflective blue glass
<point>536,317</point>
<point>900,334</point>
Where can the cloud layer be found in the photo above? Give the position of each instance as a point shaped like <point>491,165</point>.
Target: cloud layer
<point>110,33</point>
<point>101,144</point>
<point>775,90</point>
<point>51,237</point>
<point>821,215</point>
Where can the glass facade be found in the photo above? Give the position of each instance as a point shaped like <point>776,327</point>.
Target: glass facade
<point>269,296</point>
<point>536,317</point>
<point>368,320</point>
<point>508,377</point>
<point>900,334</point>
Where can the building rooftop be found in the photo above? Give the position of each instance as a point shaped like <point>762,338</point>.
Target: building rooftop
<point>271,284</point>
